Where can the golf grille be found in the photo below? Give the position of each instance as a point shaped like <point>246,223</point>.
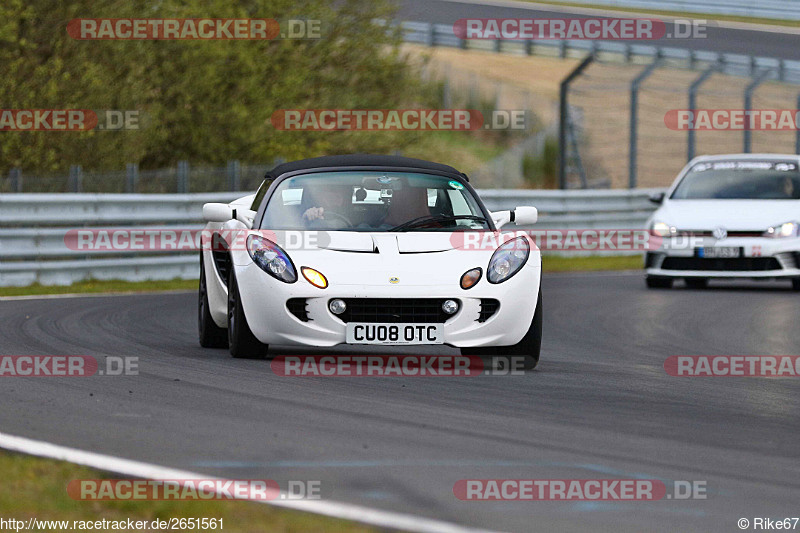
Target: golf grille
<point>735,264</point>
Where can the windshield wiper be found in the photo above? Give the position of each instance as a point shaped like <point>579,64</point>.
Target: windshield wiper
<point>428,219</point>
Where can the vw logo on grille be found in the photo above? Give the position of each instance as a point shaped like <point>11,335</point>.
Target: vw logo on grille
<point>720,233</point>
<point>394,281</point>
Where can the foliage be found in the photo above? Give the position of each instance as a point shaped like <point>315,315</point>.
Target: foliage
<point>205,101</point>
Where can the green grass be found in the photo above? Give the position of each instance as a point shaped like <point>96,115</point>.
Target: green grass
<point>555,263</point>
<point>95,286</point>
<point>37,488</point>
<point>679,14</point>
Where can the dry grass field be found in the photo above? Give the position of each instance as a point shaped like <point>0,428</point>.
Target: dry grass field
<point>600,101</point>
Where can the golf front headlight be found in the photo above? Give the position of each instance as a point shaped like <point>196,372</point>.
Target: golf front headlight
<point>508,260</point>
<point>787,229</point>
<point>662,229</point>
<point>271,258</point>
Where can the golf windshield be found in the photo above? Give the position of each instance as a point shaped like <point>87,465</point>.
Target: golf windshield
<point>740,180</point>
<point>373,202</point>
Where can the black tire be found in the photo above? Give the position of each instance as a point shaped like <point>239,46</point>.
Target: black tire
<point>243,344</point>
<point>796,284</point>
<point>210,334</point>
<point>529,347</point>
<point>654,282</point>
<point>696,283</point>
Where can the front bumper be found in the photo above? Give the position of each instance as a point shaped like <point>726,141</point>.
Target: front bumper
<point>264,300</point>
<point>762,258</point>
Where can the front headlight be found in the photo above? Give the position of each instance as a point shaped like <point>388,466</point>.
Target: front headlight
<point>271,258</point>
<point>662,229</point>
<point>508,259</point>
<point>788,229</point>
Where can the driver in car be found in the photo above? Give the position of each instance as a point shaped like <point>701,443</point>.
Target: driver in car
<point>333,198</point>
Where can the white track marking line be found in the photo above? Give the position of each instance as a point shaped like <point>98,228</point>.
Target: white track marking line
<point>141,470</point>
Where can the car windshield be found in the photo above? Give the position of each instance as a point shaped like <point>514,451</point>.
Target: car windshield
<point>374,202</point>
<point>740,180</point>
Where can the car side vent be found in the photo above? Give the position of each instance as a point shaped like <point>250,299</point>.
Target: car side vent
<point>489,307</point>
<point>297,306</point>
<point>222,262</point>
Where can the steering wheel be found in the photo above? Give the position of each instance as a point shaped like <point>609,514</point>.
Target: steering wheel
<point>327,214</point>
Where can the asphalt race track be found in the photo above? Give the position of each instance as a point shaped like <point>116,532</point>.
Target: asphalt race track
<point>718,38</point>
<point>600,405</point>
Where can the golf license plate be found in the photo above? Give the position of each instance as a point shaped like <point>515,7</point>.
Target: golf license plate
<point>364,333</point>
<point>720,252</point>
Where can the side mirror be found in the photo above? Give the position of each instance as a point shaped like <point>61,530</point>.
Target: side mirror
<point>525,215</point>
<point>521,216</point>
<point>245,216</point>
<point>217,212</point>
<point>657,198</point>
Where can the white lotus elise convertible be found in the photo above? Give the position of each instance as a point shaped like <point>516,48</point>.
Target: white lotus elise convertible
<point>367,249</point>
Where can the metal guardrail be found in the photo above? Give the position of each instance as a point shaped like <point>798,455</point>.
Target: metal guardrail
<point>33,228</point>
<point>612,51</point>
<point>777,9</point>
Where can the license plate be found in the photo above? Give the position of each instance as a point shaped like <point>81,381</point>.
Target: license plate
<point>358,333</point>
<point>720,252</point>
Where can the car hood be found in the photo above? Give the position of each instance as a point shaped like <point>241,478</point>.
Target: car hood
<point>730,214</point>
<point>388,259</point>
<point>348,241</point>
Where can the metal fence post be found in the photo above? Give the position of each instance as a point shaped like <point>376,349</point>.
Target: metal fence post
<point>183,176</point>
<point>634,140</point>
<point>748,105</point>
<point>131,177</point>
<point>75,178</point>
<point>15,177</point>
<point>564,119</point>
<point>234,175</point>
<point>797,132</point>
<point>693,89</point>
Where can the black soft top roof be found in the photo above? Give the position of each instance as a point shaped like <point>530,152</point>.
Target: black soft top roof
<point>362,160</point>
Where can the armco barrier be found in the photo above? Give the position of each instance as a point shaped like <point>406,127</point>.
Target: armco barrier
<point>33,226</point>
<point>775,9</point>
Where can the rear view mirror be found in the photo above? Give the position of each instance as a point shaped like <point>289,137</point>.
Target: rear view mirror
<point>657,198</point>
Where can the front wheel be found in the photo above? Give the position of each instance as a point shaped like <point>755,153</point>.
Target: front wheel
<point>796,284</point>
<point>210,334</point>
<point>243,344</point>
